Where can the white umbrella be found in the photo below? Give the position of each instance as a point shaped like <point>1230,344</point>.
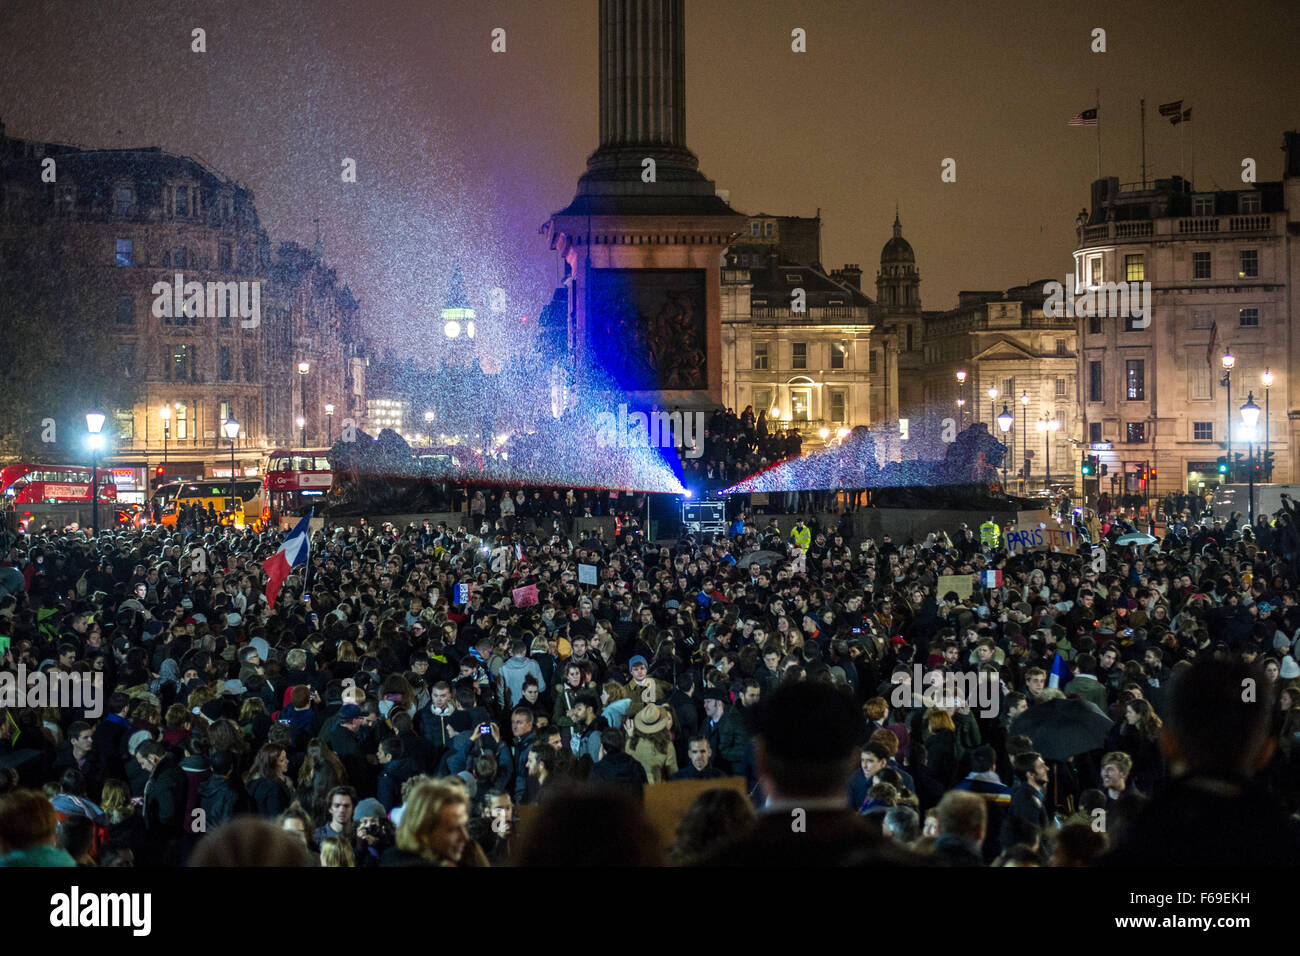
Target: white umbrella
<point>1135,537</point>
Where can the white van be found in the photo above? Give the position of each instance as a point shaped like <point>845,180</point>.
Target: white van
<point>1236,497</point>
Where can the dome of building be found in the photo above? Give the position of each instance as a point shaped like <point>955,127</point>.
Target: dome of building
<point>897,249</point>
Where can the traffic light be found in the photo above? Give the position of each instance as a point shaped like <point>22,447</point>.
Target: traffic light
<point>1223,464</point>
<point>1089,466</point>
<point>1267,460</point>
<point>1104,470</point>
<point>158,476</point>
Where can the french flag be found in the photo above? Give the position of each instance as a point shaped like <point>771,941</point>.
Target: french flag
<point>990,579</point>
<point>292,554</point>
<point>1059,672</point>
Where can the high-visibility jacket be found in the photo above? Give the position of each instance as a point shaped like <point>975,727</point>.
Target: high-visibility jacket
<point>801,538</point>
<point>989,534</point>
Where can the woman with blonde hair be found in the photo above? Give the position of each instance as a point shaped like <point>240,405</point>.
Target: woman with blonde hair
<point>335,851</point>
<point>649,741</point>
<point>433,831</point>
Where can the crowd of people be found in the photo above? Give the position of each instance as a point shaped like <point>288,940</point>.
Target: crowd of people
<point>439,695</point>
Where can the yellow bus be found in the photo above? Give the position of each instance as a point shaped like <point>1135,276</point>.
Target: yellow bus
<point>215,492</point>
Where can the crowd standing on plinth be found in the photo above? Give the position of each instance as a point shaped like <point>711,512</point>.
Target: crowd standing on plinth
<point>923,702</point>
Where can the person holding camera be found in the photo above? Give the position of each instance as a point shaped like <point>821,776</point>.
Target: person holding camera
<point>374,833</point>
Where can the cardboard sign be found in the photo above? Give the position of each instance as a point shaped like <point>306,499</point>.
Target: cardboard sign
<point>586,574</point>
<point>962,584</point>
<point>1039,531</point>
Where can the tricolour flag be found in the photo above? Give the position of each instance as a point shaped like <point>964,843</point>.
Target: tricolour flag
<point>990,579</point>
<point>292,554</point>
<point>1058,672</point>
<point>525,596</point>
<point>1184,117</point>
<point>1209,349</point>
<point>1086,118</point>
<point>462,593</point>
<point>1171,109</point>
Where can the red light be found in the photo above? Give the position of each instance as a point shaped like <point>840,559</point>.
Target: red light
<point>524,319</point>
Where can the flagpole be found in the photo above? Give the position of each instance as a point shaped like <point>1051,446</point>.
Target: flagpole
<point>1098,108</point>
<point>1142,105</point>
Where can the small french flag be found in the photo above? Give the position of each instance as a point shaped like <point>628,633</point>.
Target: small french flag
<point>990,579</point>
<point>461,593</point>
<point>1058,672</point>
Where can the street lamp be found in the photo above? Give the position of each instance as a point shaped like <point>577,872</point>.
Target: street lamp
<point>329,424</point>
<point>993,397</point>
<point>1024,427</point>
<point>1267,379</point>
<point>1249,418</point>
<point>303,368</point>
<point>1228,361</point>
<point>1047,426</point>
<point>231,428</point>
<point>94,422</point>
<point>166,414</point>
<point>1004,423</point>
<point>961,381</point>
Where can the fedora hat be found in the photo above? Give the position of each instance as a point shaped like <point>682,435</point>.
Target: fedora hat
<point>650,719</point>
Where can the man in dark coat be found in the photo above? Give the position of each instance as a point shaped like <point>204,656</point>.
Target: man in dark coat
<point>700,766</point>
<point>1026,794</point>
<point>111,736</point>
<point>1215,812</point>
<point>805,822</point>
<point>616,767</point>
<point>164,805</point>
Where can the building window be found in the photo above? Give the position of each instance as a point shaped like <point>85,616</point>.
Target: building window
<point>1135,269</point>
<point>753,228</point>
<point>909,337</point>
<point>837,407</point>
<point>1202,318</point>
<point>178,369</point>
<point>838,352</point>
<point>1199,384</point>
<point>1136,432</point>
<point>799,355</point>
<point>250,365</point>
<point>872,362</point>
<point>1249,264</point>
<point>125,420</point>
<point>1062,347</point>
<point>123,198</point>
<point>767,229</point>
<point>1249,317</point>
<point>1248,202</point>
<point>1060,388</point>
<point>182,421</point>
<point>125,310</point>
<point>125,252</point>
<point>1200,265</point>
<point>1203,431</point>
<point>126,360</point>
<point>1094,270</point>
<point>178,258</point>
<point>182,201</point>
<point>762,400</point>
<point>1203,206</point>
<point>224,371</point>
<point>224,257</point>
<point>760,355</point>
<point>1135,380</point>
<point>224,412</point>
<point>1094,325</point>
<point>1094,432</point>
<point>1094,382</point>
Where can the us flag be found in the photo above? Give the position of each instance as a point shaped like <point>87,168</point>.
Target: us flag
<point>1086,118</point>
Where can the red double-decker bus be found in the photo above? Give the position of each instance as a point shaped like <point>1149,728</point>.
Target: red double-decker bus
<point>297,480</point>
<point>25,483</point>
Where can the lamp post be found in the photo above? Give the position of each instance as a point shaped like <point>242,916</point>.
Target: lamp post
<point>166,414</point>
<point>1228,361</point>
<point>1267,379</point>
<point>303,369</point>
<point>1004,423</point>
<point>329,424</point>
<point>94,422</point>
<point>993,397</point>
<point>231,428</point>
<point>1249,417</point>
<point>1047,426</point>
<point>1024,439</point>
<point>961,401</point>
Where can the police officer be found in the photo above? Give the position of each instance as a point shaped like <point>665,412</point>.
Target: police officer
<point>990,533</point>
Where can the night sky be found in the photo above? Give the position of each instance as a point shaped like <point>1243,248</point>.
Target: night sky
<point>462,154</point>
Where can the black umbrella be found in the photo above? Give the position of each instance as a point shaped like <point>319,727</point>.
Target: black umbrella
<point>1064,727</point>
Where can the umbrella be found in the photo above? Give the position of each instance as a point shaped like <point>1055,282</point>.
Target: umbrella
<point>762,557</point>
<point>1135,537</point>
<point>1064,727</point>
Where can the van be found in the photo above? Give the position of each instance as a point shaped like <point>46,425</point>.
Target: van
<point>1236,497</point>
<point>216,492</point>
